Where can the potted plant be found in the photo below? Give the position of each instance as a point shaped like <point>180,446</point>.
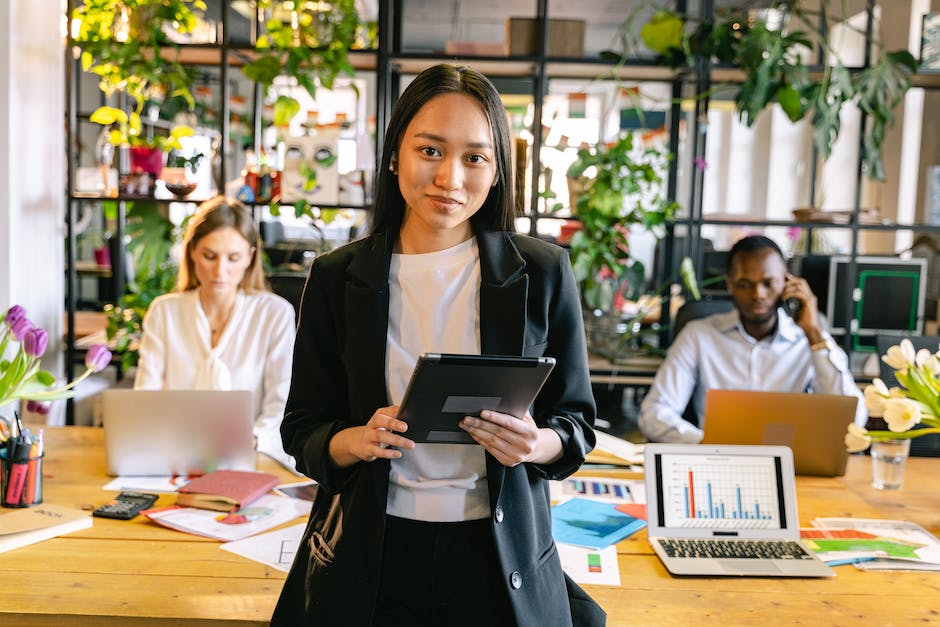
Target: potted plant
<point>623,188</point>
<point>771,59</point>
<point>307,41</point>
<point>147,154</point>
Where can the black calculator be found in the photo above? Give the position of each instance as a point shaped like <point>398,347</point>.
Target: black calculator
<point>126,505</point>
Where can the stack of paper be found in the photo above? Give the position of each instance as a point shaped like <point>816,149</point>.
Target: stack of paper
<point>614,450</point>
<point>873,544</point>
<point>266,513</point>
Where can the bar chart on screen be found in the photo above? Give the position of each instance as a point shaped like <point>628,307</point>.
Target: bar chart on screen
<point>711,494</point>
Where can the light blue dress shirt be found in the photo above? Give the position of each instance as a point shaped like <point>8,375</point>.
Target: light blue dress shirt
<point>716,352</point>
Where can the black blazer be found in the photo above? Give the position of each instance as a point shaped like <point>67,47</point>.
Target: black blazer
<point>529,305</point>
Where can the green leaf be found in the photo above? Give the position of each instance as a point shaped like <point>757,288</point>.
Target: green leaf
<point>285,108</point>
<point>789,100</point>
<point>663,32</point>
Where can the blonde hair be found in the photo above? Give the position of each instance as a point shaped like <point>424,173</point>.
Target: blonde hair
<point>217,213</point>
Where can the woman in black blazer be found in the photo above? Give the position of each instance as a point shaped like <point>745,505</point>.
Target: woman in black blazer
<point>436,534</point>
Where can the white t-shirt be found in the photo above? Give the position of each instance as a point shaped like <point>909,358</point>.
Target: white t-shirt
<point>254,353</point>
<point>434,306</point>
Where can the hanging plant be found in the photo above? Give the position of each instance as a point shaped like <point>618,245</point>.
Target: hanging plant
<point>774,72</point>
<point>307,41</point>
<point>125,43</point>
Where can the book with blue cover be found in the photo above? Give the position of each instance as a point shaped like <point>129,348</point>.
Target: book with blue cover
<point>592,523</point>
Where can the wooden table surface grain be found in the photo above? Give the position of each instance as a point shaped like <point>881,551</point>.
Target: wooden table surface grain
<point>133,573</point>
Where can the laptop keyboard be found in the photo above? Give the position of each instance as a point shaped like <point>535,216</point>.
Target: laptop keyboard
<point>740,549</point>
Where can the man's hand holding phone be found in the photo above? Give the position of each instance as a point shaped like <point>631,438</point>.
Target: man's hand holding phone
<point>798,300</point>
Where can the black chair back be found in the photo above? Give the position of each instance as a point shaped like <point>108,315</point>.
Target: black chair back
<point>289,286</point>
<point>925,445</point>
<point>694,309</point>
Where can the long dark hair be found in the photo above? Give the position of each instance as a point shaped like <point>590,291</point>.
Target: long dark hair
<point>498,210</point>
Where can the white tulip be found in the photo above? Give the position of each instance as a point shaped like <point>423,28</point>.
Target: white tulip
<point>901,356</point>
<point>932,364</point>
<point>857,438</point>
<point>876,395</point>
<point>901,414</point>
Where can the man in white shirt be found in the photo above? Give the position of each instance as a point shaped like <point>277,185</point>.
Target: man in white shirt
<point>756,346</point>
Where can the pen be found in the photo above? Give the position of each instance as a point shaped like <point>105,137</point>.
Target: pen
<point>18,465</point>
<point>31,472</point>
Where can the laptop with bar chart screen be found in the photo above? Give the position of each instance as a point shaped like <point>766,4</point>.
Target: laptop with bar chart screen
<point>726,510</point>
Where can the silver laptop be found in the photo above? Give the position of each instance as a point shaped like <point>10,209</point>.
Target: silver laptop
<point>726,510</point>
<point>170,432</point>
<point>812,425</point>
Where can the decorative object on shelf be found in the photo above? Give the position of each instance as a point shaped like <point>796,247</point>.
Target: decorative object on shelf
<point>307,41</point>
<point>910,411</point>
<point>624,188</point>
<point>930,42</point>
<point>20,376</point>
<point>764,45</point>
<point>147,154</point>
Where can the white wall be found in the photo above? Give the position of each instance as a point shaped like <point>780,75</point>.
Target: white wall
<point>32,164</point>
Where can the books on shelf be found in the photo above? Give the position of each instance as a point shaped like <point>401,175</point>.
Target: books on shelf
<point>226,490</point>
<point>21,527</point>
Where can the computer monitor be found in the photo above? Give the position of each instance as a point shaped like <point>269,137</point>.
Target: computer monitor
<point>888,297</point>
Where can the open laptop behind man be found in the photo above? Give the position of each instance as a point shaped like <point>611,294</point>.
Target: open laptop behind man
<point>772,340</point>
<point>812,425</point>
<point>170,432</point>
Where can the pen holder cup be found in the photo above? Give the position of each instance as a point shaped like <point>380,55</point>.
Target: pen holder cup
<point>20,482</point>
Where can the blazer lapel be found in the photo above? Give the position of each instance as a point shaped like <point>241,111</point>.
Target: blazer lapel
<point>502,315</point>
<point>502,294</point>
<point>366,302</point>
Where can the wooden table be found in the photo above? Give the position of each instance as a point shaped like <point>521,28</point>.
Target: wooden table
<point>649,595</point>
<point>137,573</point>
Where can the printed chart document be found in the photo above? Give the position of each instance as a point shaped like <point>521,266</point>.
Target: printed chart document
<point>275,548</point>
<point>592,524</point>
<point>266,513</point>
<point>599,489</point>
<point>590,566</point>
<point>894,544</point>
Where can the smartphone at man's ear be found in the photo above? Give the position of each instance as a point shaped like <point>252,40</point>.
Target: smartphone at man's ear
<point>793,307</point>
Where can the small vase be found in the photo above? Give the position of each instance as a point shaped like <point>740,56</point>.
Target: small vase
<point>888,459</point>
<point>609,335</point>
<point>149,160</point>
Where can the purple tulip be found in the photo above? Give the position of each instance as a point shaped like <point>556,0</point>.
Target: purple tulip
<point>38,407</point>
<point>14,313</point>
<point>35,341</point>
<point>98,358</point>
<point>20,328</point>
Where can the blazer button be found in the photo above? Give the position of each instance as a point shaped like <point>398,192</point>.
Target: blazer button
<point>515,580</point>
<point>498,514</point>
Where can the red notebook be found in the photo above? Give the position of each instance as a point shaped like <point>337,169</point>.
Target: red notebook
<point>226,490</point>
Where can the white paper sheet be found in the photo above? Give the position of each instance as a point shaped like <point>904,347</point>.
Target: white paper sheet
<point>266,513</point>
<point>275,548</point>
<point>148,484</point>
<point>589,566</point>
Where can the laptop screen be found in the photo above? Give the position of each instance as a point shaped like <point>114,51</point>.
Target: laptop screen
<point>720,490</point>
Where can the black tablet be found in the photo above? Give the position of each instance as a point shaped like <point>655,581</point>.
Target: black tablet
<point>446,387</point>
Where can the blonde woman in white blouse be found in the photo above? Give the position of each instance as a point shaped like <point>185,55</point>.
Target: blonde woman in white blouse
<point>221,329</point>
